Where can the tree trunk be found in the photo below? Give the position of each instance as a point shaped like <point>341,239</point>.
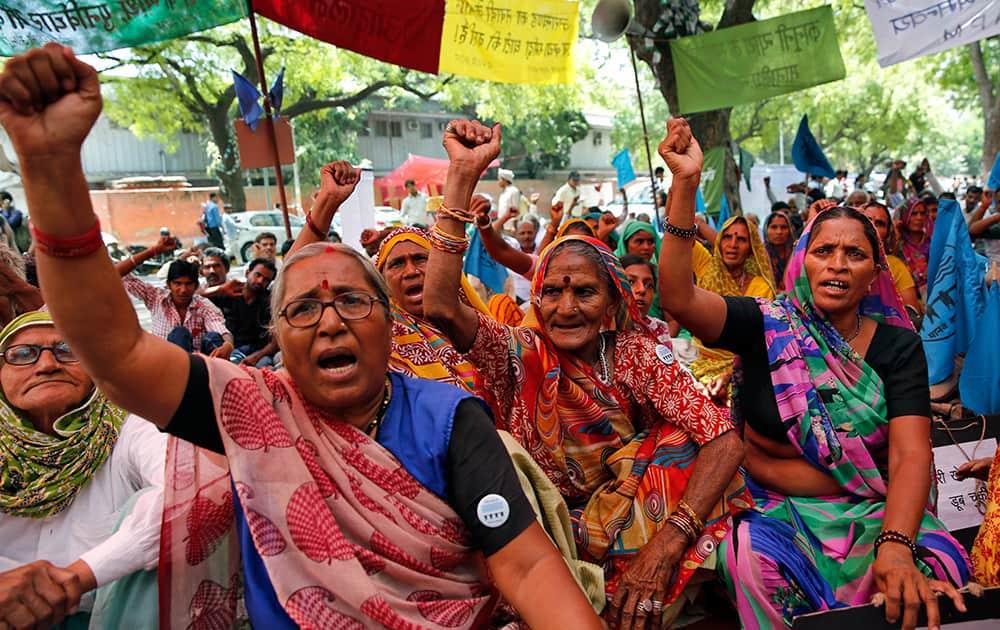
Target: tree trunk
<point>990,104</point>
<point>228,170</point>
<point>710,128</point>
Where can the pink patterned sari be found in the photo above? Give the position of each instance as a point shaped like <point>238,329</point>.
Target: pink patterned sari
<point>348,537</point>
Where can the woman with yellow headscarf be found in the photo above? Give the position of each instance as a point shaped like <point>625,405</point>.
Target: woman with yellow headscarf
<point>738,265</point>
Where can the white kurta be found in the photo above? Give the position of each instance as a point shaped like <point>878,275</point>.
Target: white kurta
<point>84,529</point>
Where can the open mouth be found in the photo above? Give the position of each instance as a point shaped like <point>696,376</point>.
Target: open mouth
<point>415,294</point>
<point>835,285</point>
<point>337,360</point>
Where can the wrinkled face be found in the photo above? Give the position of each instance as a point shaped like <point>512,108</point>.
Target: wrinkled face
<point>840,265</point>
<point>404,272</point>
<point>918,218</point>
<point>337,364</point>
<point>643,286</point>
<point>526,236</point>
<point>880,220</point>
<point>642,244</point>
<point>182,290</point>
<point>574,302</point>
<point>47,388</point>
<point>213,271</point>
<point>778,231</point>
<point>268,247</point>
<point>735,245</point>
<point>259,278</point>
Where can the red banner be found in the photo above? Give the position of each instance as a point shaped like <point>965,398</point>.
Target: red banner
<point>402,32</point>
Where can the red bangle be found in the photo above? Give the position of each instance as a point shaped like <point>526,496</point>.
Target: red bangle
<point>72,247</point>
<point>312,226</point>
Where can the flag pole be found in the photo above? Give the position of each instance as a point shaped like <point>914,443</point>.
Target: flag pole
<point>645,139</point>
<point>269,120</point>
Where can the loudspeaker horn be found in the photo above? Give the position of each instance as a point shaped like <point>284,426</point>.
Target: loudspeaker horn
<point>611,19</point>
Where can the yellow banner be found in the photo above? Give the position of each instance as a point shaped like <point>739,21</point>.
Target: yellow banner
<point>511,41</point>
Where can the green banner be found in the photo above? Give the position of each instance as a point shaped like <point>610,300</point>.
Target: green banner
<point>751,62</point>
<point>100,26</point>
<point>713,174</point>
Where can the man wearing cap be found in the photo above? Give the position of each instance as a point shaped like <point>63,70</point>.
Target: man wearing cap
<point>414,206</point>
<point>569,195</point>
<point>510,196</point>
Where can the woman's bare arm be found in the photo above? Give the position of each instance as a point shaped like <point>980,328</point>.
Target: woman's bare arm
<point>471,147</point>
<point>51,101</point>
<point>498,248</point>
<point>701,312</point>
<point>337,181</point>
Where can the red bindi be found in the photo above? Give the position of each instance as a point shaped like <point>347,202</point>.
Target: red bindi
<point>330,249</point>
<point>326,285</point>
<point>567,280</point>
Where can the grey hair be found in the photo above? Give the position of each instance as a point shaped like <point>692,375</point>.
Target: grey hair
<point>316,249</point>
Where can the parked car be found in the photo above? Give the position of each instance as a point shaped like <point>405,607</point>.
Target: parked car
<point>243,227</point>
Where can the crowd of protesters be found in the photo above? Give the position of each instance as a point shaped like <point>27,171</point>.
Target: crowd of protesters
<point>658,415</point>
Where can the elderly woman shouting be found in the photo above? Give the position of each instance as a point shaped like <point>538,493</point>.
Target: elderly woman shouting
<point>640,456</point>
<point>72,465</point>
<point>358,498</point>
<point>836,422</point>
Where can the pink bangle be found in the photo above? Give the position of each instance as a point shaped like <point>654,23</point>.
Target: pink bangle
<point>73,247</point>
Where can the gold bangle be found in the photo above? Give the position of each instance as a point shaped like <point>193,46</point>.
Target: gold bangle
<point>683,506</point>
<point>680,521</point>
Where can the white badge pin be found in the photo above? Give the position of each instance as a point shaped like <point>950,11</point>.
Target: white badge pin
<point>493,510</point>
<point>664,354</point>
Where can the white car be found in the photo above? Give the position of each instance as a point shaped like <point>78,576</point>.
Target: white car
<point>243,227</point>
<point>385,216</point>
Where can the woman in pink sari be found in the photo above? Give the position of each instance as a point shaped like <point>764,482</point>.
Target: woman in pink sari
<point>355,498</point>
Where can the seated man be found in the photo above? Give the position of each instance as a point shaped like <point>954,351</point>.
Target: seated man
<point>214,268</point>
<point>248,315</point>
<point>265,245</point>
<point>71,466</point>
<point>179,316</point>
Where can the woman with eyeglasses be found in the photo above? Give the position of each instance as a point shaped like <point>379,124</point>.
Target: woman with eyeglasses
<point>72,466</point>
<point>352,497</point>
<point>901,276</point>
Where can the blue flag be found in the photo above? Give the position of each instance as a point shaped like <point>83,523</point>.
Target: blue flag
<point>955,293</point>
<point>623,166</point>
<point>724,211</point>
<point>979,385</point>
<point>478,263</point>
<point>994,181</point>
<point>807,155</point>
<point>247,96</point>
<point>277,93</point>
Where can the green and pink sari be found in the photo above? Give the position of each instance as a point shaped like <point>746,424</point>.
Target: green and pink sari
<point>796,555</point>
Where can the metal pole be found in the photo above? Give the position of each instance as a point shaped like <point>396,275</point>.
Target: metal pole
<point>269,121</point>
<point>781,142</point>
<point>645,134</point>
<point>296,184</point>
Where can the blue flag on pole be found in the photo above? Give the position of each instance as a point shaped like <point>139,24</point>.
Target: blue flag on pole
<point>623,167</point>
<point>979,385</point>
<point>277,93</point>
<point>478,263</point>
<point>247,98</point>
<point>994,181</point>
<point>807,155</point>
<point>724,211</point>
<point>955,293</point>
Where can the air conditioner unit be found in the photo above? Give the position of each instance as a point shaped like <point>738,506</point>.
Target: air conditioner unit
<point>412,125</point>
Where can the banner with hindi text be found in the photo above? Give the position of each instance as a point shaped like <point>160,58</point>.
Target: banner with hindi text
<point>511,41</point>
<point>905,29</point>
<point>89,27</point>
<point>751,62</point>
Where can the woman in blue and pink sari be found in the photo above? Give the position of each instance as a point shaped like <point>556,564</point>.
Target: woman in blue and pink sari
<point>835,413</point>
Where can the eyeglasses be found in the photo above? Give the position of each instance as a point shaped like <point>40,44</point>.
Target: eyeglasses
<point>349,306</point>
<point>29,353</point>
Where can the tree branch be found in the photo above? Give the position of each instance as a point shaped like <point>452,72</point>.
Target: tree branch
<point>304,106</point>
<point>756,123</point>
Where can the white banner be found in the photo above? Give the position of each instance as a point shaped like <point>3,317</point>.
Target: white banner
<point>905,29</point>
